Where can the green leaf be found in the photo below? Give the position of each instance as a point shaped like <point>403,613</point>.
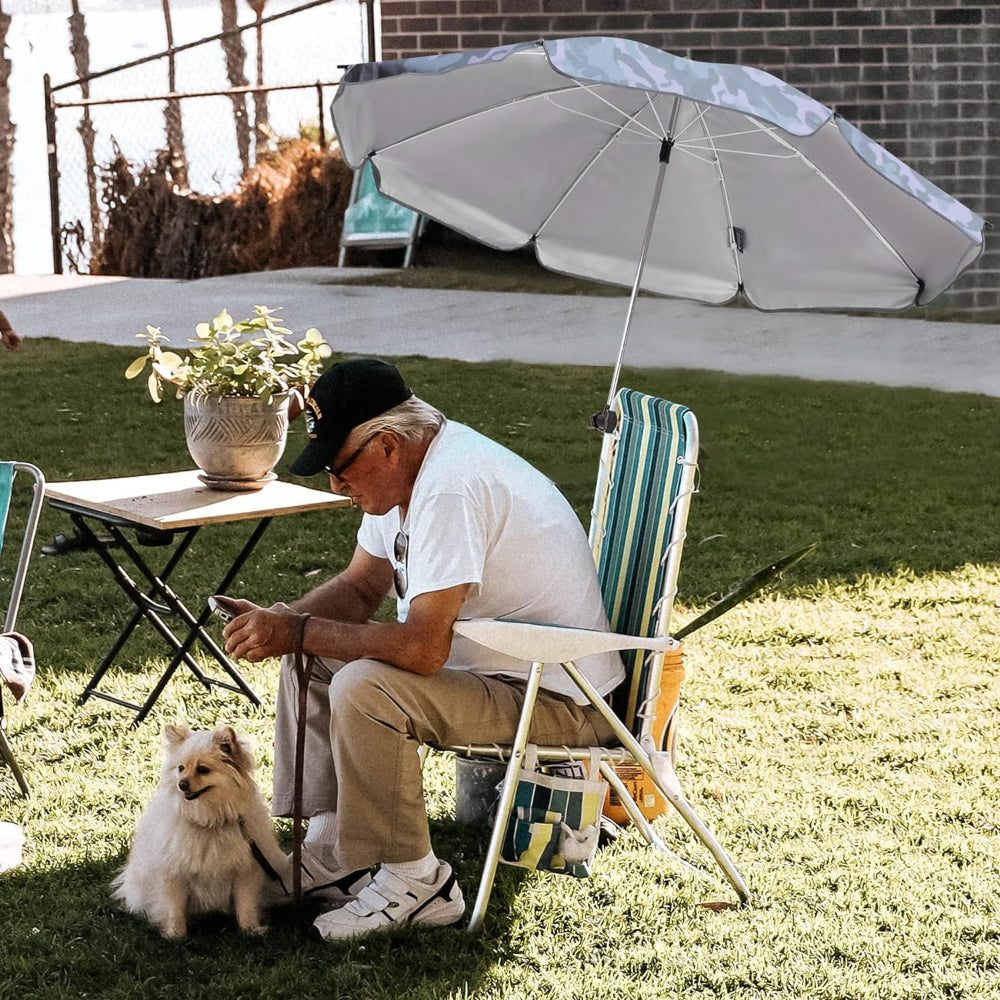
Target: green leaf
<point>164,372</point>
<point>171,359</point>
<point>153,384</point>
<point>137,366</point>
<point>225,360</point>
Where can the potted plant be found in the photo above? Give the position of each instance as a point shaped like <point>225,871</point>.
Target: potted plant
<point>237,383</point>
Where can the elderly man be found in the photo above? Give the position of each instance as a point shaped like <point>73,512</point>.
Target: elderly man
<point>455,526</point>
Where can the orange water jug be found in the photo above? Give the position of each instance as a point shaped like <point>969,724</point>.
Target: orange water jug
<point>639,785</point>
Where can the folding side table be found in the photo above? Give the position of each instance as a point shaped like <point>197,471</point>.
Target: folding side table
<point>169,509</point>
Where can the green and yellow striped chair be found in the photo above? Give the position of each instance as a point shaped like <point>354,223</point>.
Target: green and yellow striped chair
<point>637,532</point>
<point>638,526</point>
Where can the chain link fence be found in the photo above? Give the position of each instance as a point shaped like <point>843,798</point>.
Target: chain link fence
<point>211,106</point>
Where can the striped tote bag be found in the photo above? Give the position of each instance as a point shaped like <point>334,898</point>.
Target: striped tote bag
<point>554,824</point>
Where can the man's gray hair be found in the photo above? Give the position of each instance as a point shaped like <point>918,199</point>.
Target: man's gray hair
<point>413,420</point>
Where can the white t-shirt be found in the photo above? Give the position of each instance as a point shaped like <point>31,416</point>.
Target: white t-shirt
<point>481,515</point>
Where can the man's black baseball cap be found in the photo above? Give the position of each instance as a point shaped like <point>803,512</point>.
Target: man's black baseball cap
<point>345,396</point>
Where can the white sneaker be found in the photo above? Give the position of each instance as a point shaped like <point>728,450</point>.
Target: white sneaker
<point>391,900</point>
<point>332,885</point>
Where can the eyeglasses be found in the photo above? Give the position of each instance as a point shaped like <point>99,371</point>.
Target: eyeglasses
<point>399,548</point>
<point>338,472</point>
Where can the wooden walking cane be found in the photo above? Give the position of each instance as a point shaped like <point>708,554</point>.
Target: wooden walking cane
<point>303,669</point>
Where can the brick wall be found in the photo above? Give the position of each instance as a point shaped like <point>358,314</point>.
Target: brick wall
<point>922,77</point>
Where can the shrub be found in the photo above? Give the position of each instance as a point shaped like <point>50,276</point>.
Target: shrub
<point>286,212</point>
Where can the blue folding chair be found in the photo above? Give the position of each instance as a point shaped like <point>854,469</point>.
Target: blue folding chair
<point>8,470</point>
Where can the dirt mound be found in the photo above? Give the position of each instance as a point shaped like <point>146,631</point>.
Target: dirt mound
<point>286,212</point>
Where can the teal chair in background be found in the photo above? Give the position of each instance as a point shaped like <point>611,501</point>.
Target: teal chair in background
<point>19,567</point>
<point>373,222</point>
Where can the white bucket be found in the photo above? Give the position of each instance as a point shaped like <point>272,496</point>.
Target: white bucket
<point>476,780</point>
<point>11,843</point>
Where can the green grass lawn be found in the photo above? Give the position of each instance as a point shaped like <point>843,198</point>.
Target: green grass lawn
<point>839,731</point>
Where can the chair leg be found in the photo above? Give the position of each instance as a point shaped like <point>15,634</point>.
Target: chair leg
<point>8,756</point>
<point>635,814</point>
<point>670,789</point>
<point>664,778</point>
<point>506,802</point>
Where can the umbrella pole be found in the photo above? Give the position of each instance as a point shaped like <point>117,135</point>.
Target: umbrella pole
<point>605,420</point>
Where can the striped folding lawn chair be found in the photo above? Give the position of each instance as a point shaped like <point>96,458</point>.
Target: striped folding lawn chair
<point>638,526</point>
<point>17,680</point>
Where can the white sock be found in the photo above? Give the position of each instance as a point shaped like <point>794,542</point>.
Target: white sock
<point>320,834</point>
<point>423,870</point>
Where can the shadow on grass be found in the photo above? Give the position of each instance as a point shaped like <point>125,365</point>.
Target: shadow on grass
<point>886,480</point>
<point>64,935</point>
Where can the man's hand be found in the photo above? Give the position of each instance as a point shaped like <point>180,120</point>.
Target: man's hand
<point>257,633</point>
<point>421,644</point>
<point>8,337</point>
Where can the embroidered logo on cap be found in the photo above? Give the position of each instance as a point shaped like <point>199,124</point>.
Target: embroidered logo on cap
<point>313,413</point>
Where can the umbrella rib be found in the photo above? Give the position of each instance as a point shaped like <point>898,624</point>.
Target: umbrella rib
<point>733,248</point>
<point>695,150</point>
<point>872,228</point>
<point>644,130</point>
<point>543,95</point>
<point>690,145</point>
<point>698,119</point>
<point>656,115</point>
<point>703,114</point>
<point>548,96</point>
<point>614,107</point>
<point>582,172</point>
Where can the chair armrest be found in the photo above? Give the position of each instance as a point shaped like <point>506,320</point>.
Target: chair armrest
<point>536,641</point>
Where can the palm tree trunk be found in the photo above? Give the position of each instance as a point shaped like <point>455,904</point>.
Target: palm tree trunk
<point>236,57</point>
<point>6,156</point>
<point>79,47</point>
<point>261,128</point>
<point>172,112</point>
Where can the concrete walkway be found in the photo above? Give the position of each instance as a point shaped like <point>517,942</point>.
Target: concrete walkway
<point>480,326</point>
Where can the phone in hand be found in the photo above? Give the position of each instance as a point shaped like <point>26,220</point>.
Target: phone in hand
<point>224,607</point>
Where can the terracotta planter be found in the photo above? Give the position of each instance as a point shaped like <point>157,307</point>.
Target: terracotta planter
<point>236,441</point>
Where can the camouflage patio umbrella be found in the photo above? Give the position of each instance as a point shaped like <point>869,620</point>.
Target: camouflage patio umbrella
<point>625,164</point>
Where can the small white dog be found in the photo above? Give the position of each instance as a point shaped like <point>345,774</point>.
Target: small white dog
<point>198,844</point>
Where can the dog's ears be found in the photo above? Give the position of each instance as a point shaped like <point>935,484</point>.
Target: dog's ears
<point>226,739</point>
<point>233,747</point>
<point>175,734</point>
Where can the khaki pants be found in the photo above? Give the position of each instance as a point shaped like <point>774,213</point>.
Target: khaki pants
<point>365,723</point>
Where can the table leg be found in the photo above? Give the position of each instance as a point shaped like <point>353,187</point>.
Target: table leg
<point>160,599</point>
<point>197,631</point>
<point>146,606</point>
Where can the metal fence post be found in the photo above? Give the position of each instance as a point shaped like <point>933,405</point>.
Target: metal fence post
<point>371,31</point>
<point>53,156</point>
<point>54,104</point>
<point>319,104</point>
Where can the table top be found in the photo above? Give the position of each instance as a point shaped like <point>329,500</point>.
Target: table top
<point>174,500</point>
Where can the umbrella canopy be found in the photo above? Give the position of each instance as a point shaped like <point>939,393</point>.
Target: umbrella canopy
<point>562,144</point>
